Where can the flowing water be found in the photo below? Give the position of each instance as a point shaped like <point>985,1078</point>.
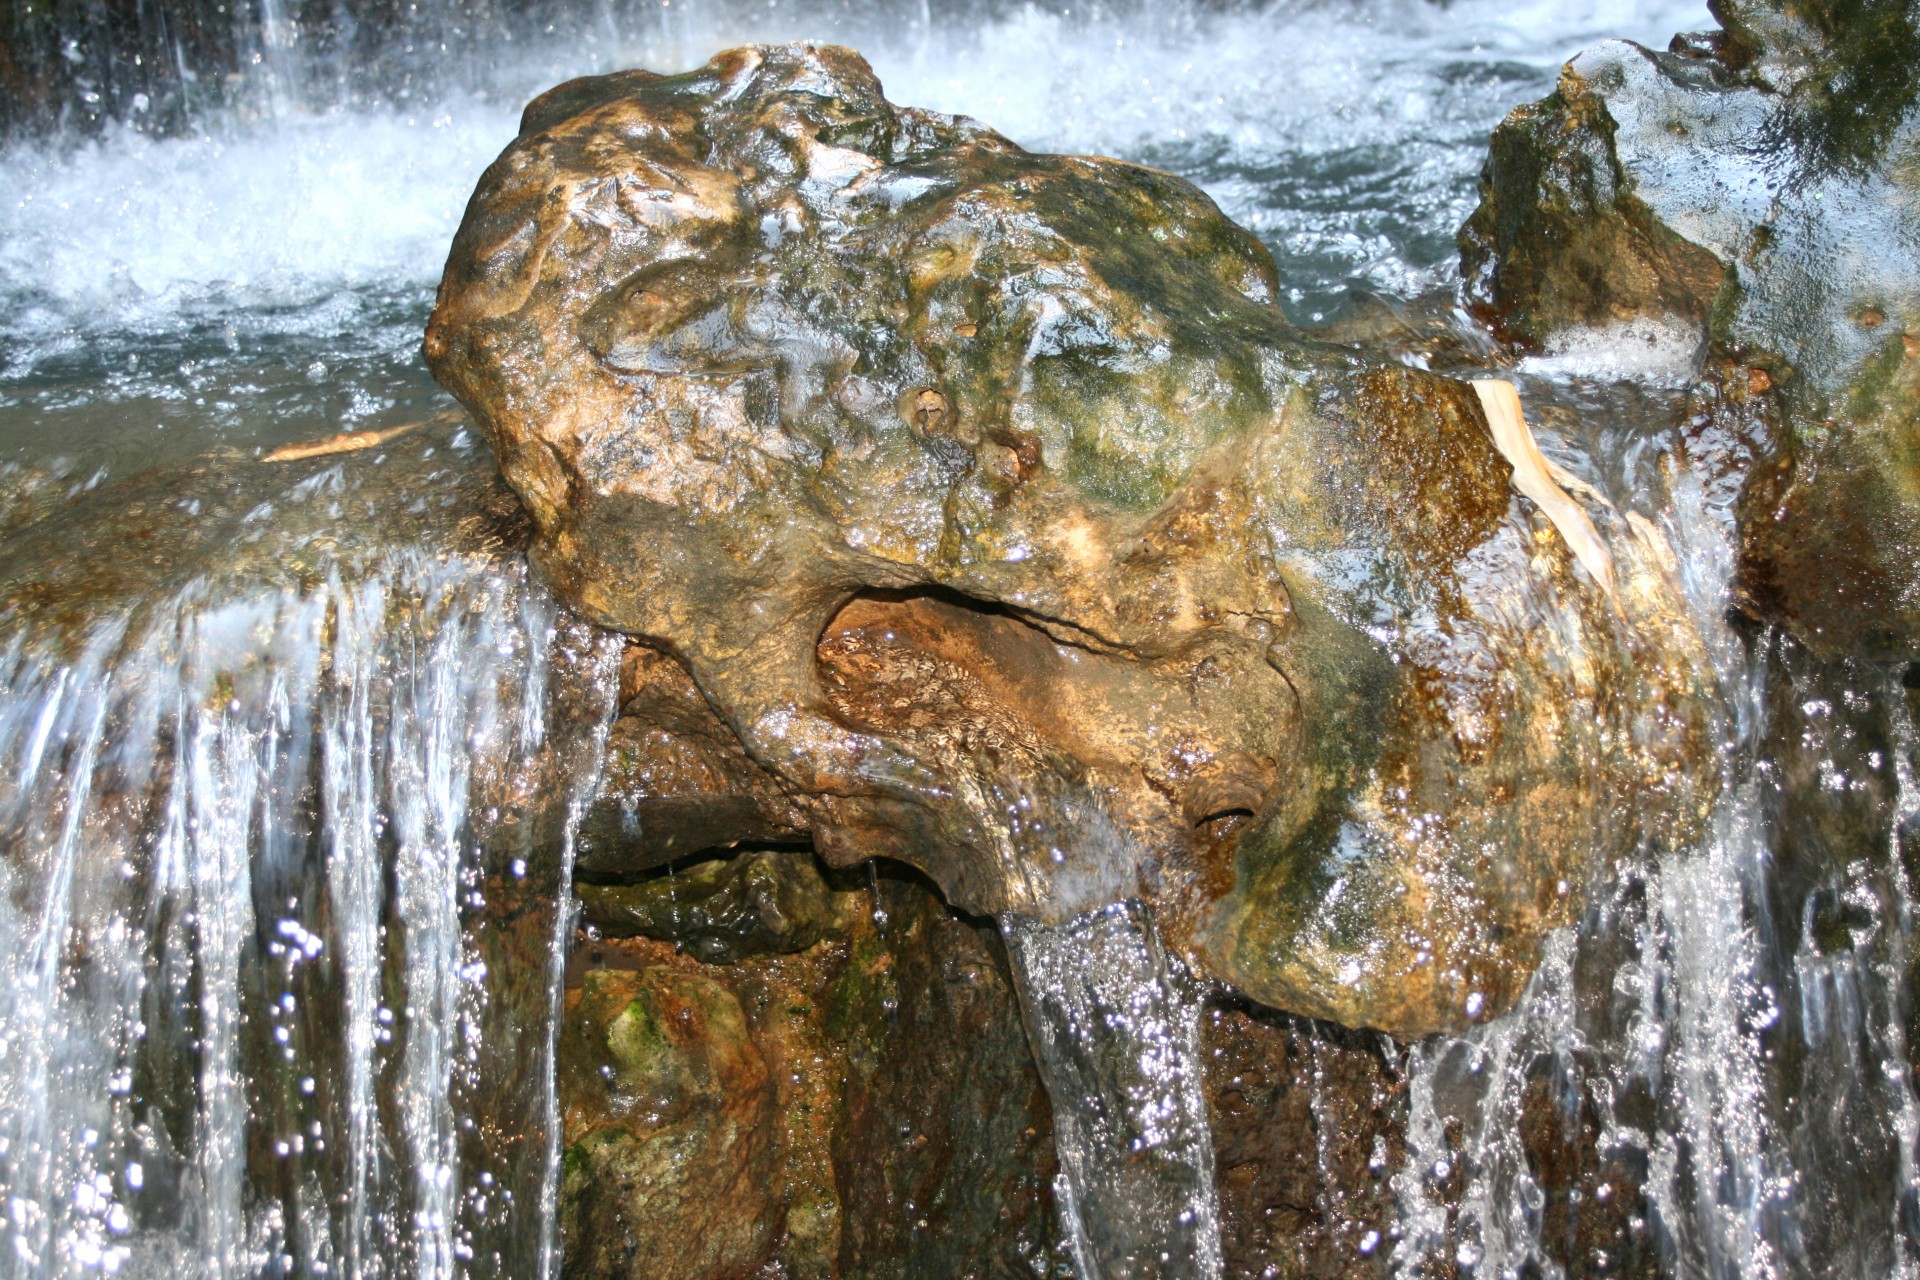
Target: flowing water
<point>1117,1042</point>
<point>284,782</point>
<point>1732,1021</point>
<point>277,901</point>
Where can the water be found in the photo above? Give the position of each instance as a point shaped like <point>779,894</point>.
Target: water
<point>277,906</point>
<point>263,275</point>
<point>1734,1018</point>
<point>1117,1042</point>
<point>267,797</point>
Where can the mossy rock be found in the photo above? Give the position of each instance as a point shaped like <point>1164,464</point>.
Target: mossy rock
<point>669,1169</point>
<point>723,908</point>
<point>1755,193</point>
<point>993,506</point>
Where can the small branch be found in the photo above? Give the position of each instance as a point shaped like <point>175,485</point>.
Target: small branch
<point>353,441</point>
<point>1540,479</point>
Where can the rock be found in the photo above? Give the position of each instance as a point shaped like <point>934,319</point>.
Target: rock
<point>997,512</point>
<point>1308,1124</point>
<point>904,1093</point>
<point>945,1155</point>
<point>720,909</point>
<point>670,1163</point>
<point>1753,195</point>
<point>677,779</point>
<point>222,522</point>
<point>907,1133</point>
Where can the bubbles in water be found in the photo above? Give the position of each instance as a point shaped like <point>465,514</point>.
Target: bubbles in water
<point>1117,1043</point>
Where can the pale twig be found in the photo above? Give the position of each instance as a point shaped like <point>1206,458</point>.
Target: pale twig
<point>352,441</point>
<point>1535,477</point>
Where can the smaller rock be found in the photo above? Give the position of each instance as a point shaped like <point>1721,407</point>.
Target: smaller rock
<point>720,910</point>
<point>1752,198</point>
<point>677,780</point>
<point>670,1168</point>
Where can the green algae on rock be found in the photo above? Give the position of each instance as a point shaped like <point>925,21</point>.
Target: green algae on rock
<point>1000,516</point>
<point>1756,194</point>
<point>908,1134</point>
<point>669,1164</point>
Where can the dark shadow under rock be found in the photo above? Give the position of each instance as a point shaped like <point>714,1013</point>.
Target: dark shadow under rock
<point>898,1126</point>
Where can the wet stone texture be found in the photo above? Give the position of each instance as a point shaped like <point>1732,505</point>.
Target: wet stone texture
<point>1307,1126</point>
<point>868,1106</point>
<point>1753,194</point>
<point>981,510</point>
<point>863,1107</point>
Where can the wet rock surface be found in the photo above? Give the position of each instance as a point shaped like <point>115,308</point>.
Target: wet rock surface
<point>76,553</point>
<point>677,779</point>
<point>1751,193</point>
<point>721,908</point>
<point>888,1110</point>
<point>909,1135</point>
<point>670,1173</point>
<point>994,509</point>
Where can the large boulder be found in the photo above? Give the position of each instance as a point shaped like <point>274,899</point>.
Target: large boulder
<point>1754,194</point>
<point>999,515</point>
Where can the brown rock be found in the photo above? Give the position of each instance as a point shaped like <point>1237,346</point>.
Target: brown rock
<point>670,1161</point>
<point>1754,195</point>
<point>1133,591</point>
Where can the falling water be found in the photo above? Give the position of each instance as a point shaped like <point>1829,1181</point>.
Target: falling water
<point>273,858</point>
<point>277,864</point>
<point>1732,1016</point>
<point>1117,1042</point>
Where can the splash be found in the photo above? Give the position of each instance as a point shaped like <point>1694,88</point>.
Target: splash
<point>275,916</point>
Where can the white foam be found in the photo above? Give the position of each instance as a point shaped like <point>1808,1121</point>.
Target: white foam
<point>130,230</point>
<point>1649,351</point>
<point>1281,77</point>
<point>1342,133</point>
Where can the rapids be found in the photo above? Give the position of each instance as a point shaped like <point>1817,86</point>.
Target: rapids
<point>240,811</point>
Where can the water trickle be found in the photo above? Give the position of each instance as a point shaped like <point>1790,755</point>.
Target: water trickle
<point>1729,1018</point>
<point>879,912</point>
<point>275,891</point>
<point>1117,1042</point>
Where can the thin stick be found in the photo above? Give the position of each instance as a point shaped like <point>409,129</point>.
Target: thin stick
<point>1533,476</point>
<point>353,441</point>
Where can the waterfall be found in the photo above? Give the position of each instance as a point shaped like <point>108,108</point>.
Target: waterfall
<point>277,924</point>
<point>1732,1016</point>
<point>1117,1043</point>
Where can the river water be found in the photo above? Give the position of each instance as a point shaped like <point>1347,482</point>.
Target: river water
<point>1729,1025</point>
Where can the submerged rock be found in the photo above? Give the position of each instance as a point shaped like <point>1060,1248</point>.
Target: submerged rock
<point>1752,194</point>
<point>992,506</point>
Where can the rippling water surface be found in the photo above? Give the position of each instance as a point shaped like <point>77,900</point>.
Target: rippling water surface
<point>266,276</point>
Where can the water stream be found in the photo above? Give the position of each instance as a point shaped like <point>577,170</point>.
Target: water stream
<point>276,899</point>
<point>1733,1020</point>
<point>1117,1041</point>
<point>272,865</point>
